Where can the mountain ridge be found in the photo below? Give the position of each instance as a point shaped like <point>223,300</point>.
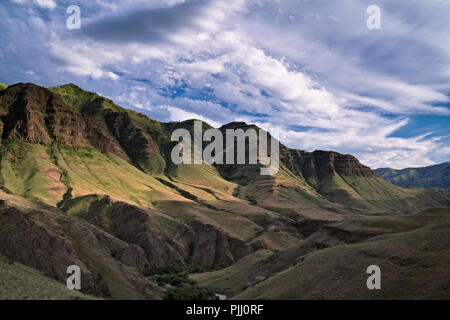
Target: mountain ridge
<point>107,169</point>
<point>435,176</point>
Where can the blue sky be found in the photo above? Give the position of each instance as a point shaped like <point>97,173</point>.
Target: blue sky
<point>310,70</point>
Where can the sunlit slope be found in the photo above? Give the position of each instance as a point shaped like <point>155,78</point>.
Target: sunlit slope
<point>49,172</point>
<point>56,173</point>
<point>27,170</point>
<point>290,196</point>
<point>218,203</point>
<point>373,194</point>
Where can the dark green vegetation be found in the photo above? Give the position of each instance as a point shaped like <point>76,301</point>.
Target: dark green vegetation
<point>437,176</point>
<point>84,181</point>
<point>180,287</point>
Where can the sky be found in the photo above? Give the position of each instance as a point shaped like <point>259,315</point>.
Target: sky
<point>310,70</point>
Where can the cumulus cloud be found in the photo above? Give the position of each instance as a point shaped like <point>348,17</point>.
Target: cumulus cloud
<point>48,4</point>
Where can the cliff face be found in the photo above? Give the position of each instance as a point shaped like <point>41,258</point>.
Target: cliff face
<point>327,163</point>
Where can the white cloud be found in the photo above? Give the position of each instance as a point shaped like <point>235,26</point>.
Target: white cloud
<point>177,114</point>
<point>49,4</point>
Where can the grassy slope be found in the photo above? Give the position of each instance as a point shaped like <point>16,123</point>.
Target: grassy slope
<point>34,172</point>
<point>28,171</point>
<point>19,282</point>
<point>377,195</point>
<point>289,195</point>
<point>74,96</point>
<point>414,264</point>
<point>3,86</point>
<point>260,266</point>
<point>248,212</point>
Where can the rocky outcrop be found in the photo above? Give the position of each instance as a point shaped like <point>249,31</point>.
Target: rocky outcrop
<point>321,164</point>
<point>213,247</point>
<point>136,142</point>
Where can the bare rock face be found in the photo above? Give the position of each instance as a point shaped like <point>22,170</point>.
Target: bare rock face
<point>321,164</point>
<point>137,143</point>
<point>214,247</point>
<point>23,112</point>
<point>328,163</point>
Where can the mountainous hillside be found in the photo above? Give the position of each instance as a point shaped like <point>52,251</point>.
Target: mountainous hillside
<point>84,181</point>
<point>413,253</point>
<point>437,176</point>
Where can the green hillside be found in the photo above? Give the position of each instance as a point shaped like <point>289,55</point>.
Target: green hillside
<point>437,176</point>
<point>98,182</point>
